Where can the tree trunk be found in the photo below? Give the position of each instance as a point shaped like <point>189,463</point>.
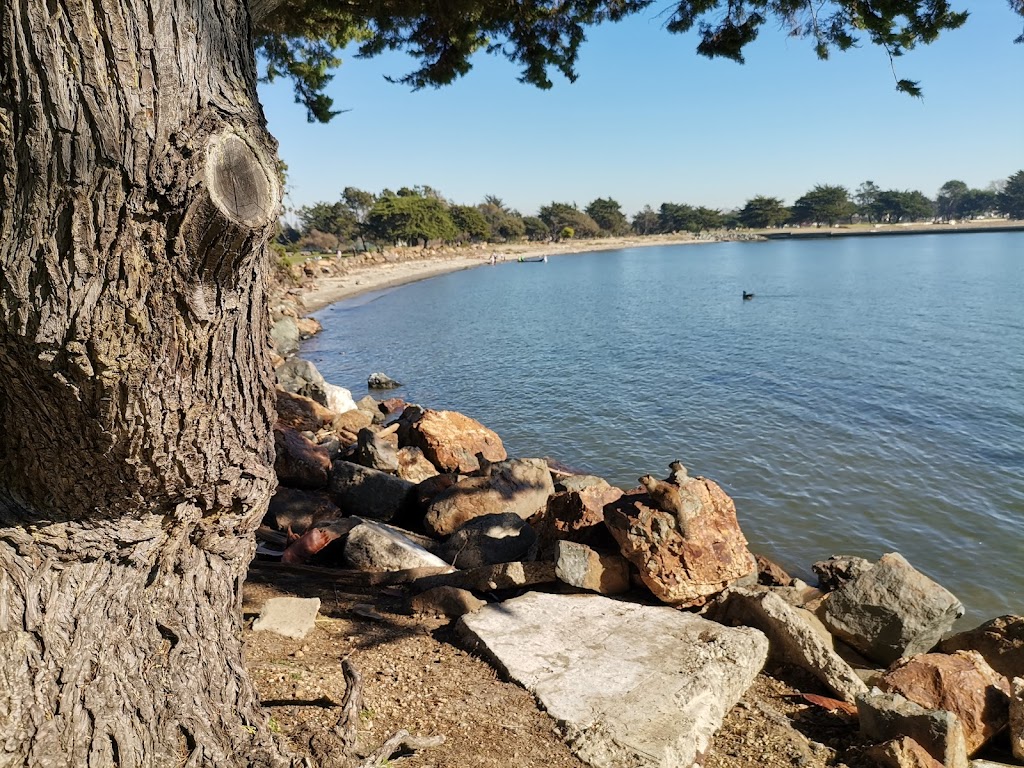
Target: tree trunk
<point>138,187</point>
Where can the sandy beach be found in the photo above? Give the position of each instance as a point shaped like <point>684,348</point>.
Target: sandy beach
<point>365,278</point>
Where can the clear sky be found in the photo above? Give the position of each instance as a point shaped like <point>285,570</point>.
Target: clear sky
<point>649,121</point>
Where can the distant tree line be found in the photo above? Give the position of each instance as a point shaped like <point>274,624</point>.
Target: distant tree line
<point>421,215</point>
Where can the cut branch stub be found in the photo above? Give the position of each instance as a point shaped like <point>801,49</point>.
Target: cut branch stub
<point>241,202</point>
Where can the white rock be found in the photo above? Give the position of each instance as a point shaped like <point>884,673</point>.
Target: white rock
<point>291,617</point>
<point>373,547</point>
<point>339,399</point>
<point>632,686</point>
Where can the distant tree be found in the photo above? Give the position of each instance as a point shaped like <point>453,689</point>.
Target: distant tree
<point>505,223</point>
<point>825,204</point>
<point>317,242</point>
<point>708,219</point>
<point>678,217</point>
<point>287,235</point>
<point>950,199</point>
<point>469,222</point>
<point>895,206</point>
<point>645,222</point>
<point>536,229</point>
<point>865,197</point>
<point>410,219</point>
<point>762,212</point>
<point>608,215</point>
<point>977,203</point>
<point>1010,202</point>
<point>558,216</point>
<point>328,218</point>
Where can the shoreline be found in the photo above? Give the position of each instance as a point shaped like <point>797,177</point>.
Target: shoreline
<point>367,277</point>
<point>348,277</point>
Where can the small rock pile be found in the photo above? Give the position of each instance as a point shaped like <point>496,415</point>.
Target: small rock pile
<point>432,495</point>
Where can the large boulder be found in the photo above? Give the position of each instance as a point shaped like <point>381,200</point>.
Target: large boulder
<point>377,450</point>
<point>1000,641</point>
<point>521,486</point>
<point>891,611</point>
<point>961,683</point>
<point>792,634</point>
<point>683,565</point>
<point>302,413</point>
<point>301,377</point>
<point>885,717</point>
<point>299,462</point>
<point>285,335</point>
<point>489,539</point>
<point>630,685</point>
<point>576,513</point>
<point>369,492</point>
<point>450,440</point>
<point>373,547</point>
<point>413,465</point>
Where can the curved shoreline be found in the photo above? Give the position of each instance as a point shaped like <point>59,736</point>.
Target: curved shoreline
<point>364,278</point>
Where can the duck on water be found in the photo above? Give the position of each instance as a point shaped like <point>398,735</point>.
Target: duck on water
<point>747,296</point>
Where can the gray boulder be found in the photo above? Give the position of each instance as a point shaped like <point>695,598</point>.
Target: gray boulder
<point>381,381</point>
<point>630,685</point>
<point>792,635</point>
<point>366,492</point>
<point>285,335</point>
<point>838,570</point>
<point>490,539</point>
<point>301,377</point>
<point>891,611</point>
<point>374,547</point>
<point>584,568</point>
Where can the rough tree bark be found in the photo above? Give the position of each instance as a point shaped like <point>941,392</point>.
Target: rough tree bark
<point>138,186</point>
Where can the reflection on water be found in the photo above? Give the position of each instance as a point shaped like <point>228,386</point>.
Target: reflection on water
<point>869,399</point>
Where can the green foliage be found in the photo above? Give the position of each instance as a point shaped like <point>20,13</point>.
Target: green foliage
<point>559,216</point>
<point>299,38</point>
<point>505,224</point>
<point>677,217</point>
<point>333,219</point>
<point>566,233</point>
<point>949,199</point>
<point>1010,201</point>
<point>645,222</point>
<point>470,223</point>
<point>535,228</point>
<point>824,204</point>
<point>893,206</point>
<point>410,219</point>
<point>608,215</point>
<point>762,212</point>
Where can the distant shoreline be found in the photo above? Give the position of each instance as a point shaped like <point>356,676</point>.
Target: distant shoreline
<point>350,277</point>
<point>813,233</point>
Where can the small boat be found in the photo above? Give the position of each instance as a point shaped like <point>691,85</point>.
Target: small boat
<point>533,260</point>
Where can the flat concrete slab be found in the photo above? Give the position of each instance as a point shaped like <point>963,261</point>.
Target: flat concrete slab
<point>291,617</point>
<point>632,686</point>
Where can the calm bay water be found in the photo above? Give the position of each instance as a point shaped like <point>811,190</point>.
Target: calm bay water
<point>869,399</point>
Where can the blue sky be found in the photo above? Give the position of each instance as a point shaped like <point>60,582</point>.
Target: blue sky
<point>649,121</point>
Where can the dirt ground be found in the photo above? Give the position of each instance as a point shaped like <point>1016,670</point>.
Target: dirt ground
<point>416,676</point>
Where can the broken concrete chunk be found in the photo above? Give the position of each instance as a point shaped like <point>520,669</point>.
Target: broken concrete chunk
<point>792,635</point>
<point>891,610</point>
<point>291,617</point>
<point>630,685</point>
